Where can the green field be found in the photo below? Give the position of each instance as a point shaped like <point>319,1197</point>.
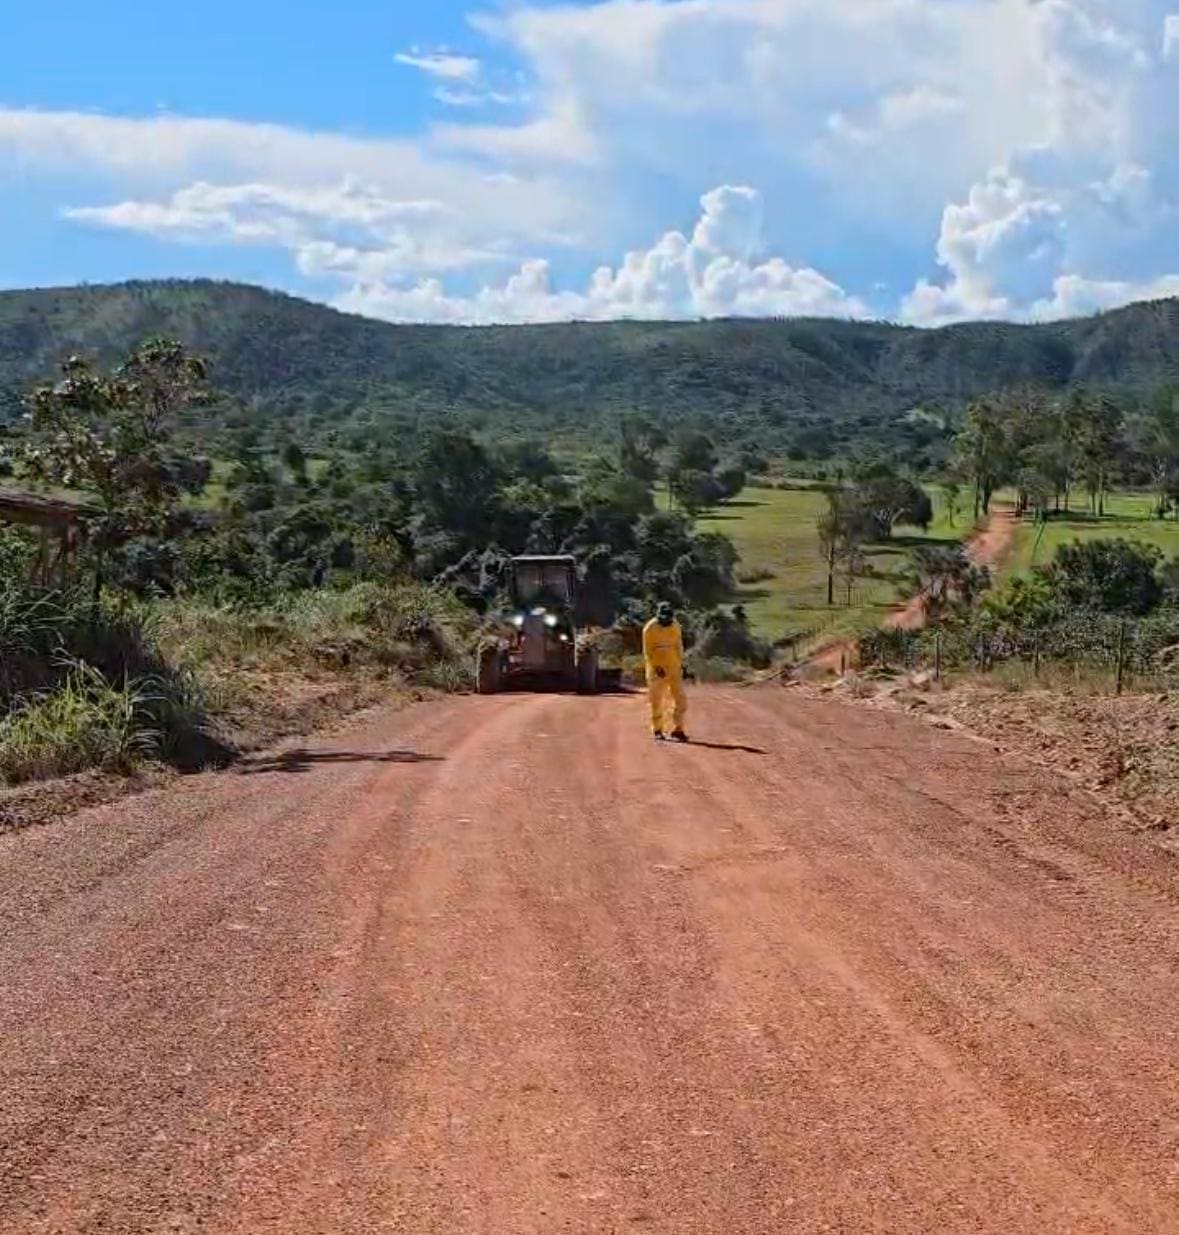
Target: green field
<point>774,532</point>
<point>1129,517</point>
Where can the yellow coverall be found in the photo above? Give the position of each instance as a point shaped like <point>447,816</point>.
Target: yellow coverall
<point>663,648</point>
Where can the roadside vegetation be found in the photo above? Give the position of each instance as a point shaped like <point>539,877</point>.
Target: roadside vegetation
<point>253,560</point>
<point>216,600</point>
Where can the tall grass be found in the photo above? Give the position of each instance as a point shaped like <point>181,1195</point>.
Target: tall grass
<point>83,722</point>
<point>81,688</point>
<point>138,682</point>
<point>410,628</point>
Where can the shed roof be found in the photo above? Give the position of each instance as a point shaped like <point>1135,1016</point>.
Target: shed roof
<point>39,510</point>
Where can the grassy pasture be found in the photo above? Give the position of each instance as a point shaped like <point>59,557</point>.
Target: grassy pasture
<point>1129,516</point>
<point>774,532</point>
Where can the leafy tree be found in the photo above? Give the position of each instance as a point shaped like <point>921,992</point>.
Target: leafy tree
<point>527,460</point>
<point>951,492</point>
<point>695,491</point>
<point>455,482</point>
<point>948,579</point>
<point>690,473</point>
<point>886,498</point>
<point>730,481</point>
<point>983,447</point>
<point>840,528</point>
<point>1099,422</point>
<point>694,452</point>
<point>1163,444</point>
<point>638,452</point>
<point>606,486</point>
<point>1114,576</point>
<point>295,460</point>
<point>113,437</point>
<point>853,565</point>
<point>1035,490</point>
<point>1022,603</point>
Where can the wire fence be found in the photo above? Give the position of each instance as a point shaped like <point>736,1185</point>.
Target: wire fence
<point>1125,650</point>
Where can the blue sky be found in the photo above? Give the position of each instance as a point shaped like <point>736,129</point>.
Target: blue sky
<point>924,160</point>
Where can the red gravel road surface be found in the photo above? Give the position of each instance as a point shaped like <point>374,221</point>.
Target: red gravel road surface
<point>502,966</point>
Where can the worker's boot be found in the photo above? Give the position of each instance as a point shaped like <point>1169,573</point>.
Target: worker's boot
<point>679,736</point>
<point>660,736</point>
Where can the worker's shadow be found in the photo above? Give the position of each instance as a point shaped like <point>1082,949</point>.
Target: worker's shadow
<point>305,760</point>
<point>734,746</point>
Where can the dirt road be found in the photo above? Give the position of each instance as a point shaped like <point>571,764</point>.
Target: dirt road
<point>988,545</point>
<point>501,966</point>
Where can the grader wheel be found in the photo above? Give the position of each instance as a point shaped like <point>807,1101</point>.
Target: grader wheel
<point>489,673</point>
<point>587,671</point>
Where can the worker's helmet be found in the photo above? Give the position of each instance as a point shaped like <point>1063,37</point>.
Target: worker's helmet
<point>665,614</point>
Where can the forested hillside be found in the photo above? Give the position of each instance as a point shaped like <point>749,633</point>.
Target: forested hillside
<point>802,386</point>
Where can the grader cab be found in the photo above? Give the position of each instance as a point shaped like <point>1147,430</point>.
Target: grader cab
<point>540,644</point>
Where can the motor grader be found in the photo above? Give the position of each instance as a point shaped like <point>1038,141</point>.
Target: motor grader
<point>539,644</point>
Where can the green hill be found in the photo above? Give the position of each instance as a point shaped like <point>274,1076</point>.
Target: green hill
<point>810,384</point>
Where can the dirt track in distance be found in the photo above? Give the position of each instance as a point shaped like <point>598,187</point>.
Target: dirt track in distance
<point>989,545</point>
<point>504,967</point>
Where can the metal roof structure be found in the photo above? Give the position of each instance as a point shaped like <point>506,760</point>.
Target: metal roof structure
<point>38,510</point>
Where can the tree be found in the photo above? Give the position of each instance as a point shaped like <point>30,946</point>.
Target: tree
<point>1021,604</point>
<point>690,474</point>
<point>1035,491</point>
<point>730,481</point>
<point>113,436</point>
<point>694,452</point>
<point>527,460</point>
<point>455,482</point>
<point>853,565</point>
<point>606,486</point>
<point>638,451</point>
<point>1114,576</point>
<point>1163,443</point>
<point>886,498</point>
<point>295,460</point>
<point>840,528</point>
<point>695,491</point>
<point>948,578</point>
<point>1099,422</point>
<point>951,491</point>
<point>983,446</point>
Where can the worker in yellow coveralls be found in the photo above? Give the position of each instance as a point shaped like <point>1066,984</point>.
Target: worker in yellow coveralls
<point>663,652</point>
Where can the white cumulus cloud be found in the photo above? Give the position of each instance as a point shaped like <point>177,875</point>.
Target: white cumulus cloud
<point>991,157</point>
<point>330,229</point>
<point>441,64</point>
<point>1171,37</point>
<point>714,273</point>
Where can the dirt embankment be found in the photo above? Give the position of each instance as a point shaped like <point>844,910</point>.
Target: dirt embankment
<point>503,965</point>
<point>1124,750</point>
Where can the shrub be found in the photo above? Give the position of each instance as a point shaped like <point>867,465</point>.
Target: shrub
<point>723,637</point>
<point>1113,576</point>
<point>888,647</point>
<point>757,574</point>
<point>715,668</point>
